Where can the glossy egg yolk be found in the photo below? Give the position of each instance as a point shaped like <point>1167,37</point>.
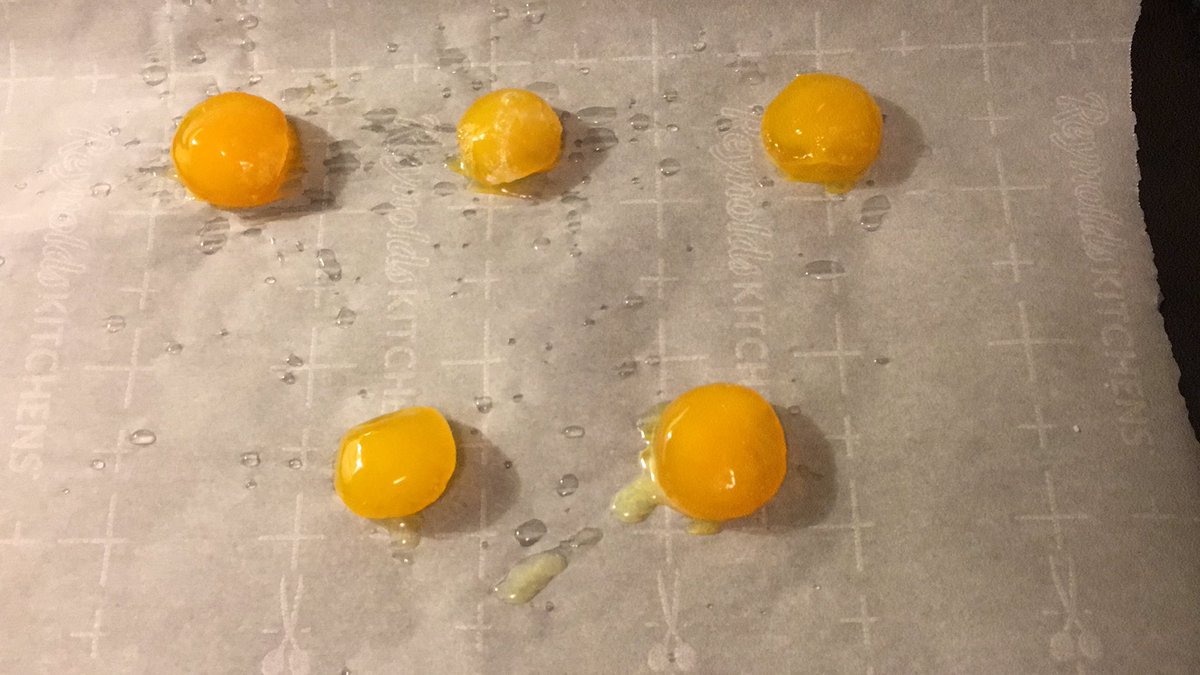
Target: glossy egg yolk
<point>234,150</point>
<point>507,135</point>
<point>718,452</point>
<point>823,129</point>
<point>395,465</point>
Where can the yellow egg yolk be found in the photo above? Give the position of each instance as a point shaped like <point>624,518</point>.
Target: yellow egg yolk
<point>395,465</point>
<point>234,150</point>
<point>823,129</point>
<point>714,454</point>
<point>507,135</point>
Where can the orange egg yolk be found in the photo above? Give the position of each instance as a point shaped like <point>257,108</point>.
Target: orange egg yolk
<point>507,135</point>
<point>823,129</point>
<point>718,452</point>
<point>234,150</point>
<point>395,465</point>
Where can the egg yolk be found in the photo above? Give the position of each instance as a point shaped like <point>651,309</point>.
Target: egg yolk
<point>395,465</point>
<point>715,453</point>
<point>234,150</point>
<point>507,135</point>
<point>823,129</point>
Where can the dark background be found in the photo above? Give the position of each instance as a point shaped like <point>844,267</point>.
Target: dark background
<point>1166,98</point>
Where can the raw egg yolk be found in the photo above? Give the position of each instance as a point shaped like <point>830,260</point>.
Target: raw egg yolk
<point>395,465</point>
<point>507,135</point>
<point>718,452</point>
<point>234,150</point>
<point>823,129</point>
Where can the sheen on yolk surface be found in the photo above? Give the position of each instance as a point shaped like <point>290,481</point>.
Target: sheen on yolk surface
<point>823,129</point>
<point>234,150</point>
<point>395,465</point>
<point>507,135</point>
<point>718,452</point>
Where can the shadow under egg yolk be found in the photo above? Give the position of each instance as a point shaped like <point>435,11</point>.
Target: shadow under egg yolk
<point>507,135</point>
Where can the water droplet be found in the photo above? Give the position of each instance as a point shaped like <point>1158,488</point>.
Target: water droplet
<point>672,127</point>
<point>793,410</point>
<point>251,459</point>
<point>627,369</point>
<point>529,532</point>
<point>212,90</point>
<point>1075,428</point>
<point>535,11</point>
<point>756,109</point>
<point>199,57</point>
<point>142,437</point>
<point>652,360</point>
<point>766,182</point>
<point>295,463</point>
<point>575,157</point>
<point>328,262</point>
<point>873,211</point>
<point>98,464</point>
<point>392,47</point>
<point>584,70</point>
<point>567,485</point>
<point>517,398</point>
<point>254,79</point>
<point>114,323</point>
<point>575,252</point>
<point>483,404</point>
<point>543,89</point>
<point>669,166</point>
<point>634,301</point>
<point>20,186</point>
<point>748,70</point>
<point>599,139</point>
<point>724,124</point>
<point>343,162</point>
<point>355,77</point>
<point>540,243</point>
<point>288,377</point>
<point>154,74</point>
<point>223,333</point>
<point>549,606</point>
<point>882,360</point>
<point>294,361</point>
<point>824,270</point>
<point>670,96</point>
<point>248,21</point>
<point>269,281</point>
<point>213,235</point>
<point>296,93</point>
<point>573,431</point>
<point>345,317</point>
<point>451,58</point>
<point>443,188</point>
<point>250,484</point>
<point>639,121</point>
<point>597,115</point>
<point>174,348</point>
<point>499,13</point>
<point>248,45</point>
<point>469,212</point>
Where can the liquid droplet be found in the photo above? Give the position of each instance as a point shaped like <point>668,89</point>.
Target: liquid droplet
<point>199,57</point>
<point>766,182</point>
<point>543,89</point>
<point>483,404</point>
<point>882,360</point>
<point>269,281</point>
<point>597,115</point>
<point>873,211</point>
<point>294,361</point>
<point>446,92</point>
<point>328,262</point>
<point>584,70</point>
<point>288,377</point>
<point>345,317</point>
<point>295,463</point>
<point>530,532</point>
<point>296,93</point>
<point>101,190</point>
<point>517,398</point>
<point>98,464</point>
<point>452,58</point>
<point>672,127</point>
<point>540,243</point>
<point>114,323</point>
<point>142,437</point>
<point>443,188</point>
<point>535,11</point>
<point>573,431</point>
<point>355,77</point>
<point>599,139</point>
<point>670,96</point>
<point>248,21</point>
<point>634,301</point>
<point>174,348</point>
<point>669,166</point>
<point>824,270</point>
<point>639,121</point>
<point>748,71</point>
<point>499,13</point>
<point>248,45</point>
<point>392,47</point>
<point>251,459</point>
<point>212,90</point>
<point>154,74</point>
<point>724,124</point>
<point>756,109</point>
<point>627,369</point>
<point>250,484</point>
<point>699,45</point>
<point>567,485</point>
<point>213,235</point>
<point>793,410</point>
<point>652,360</point>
